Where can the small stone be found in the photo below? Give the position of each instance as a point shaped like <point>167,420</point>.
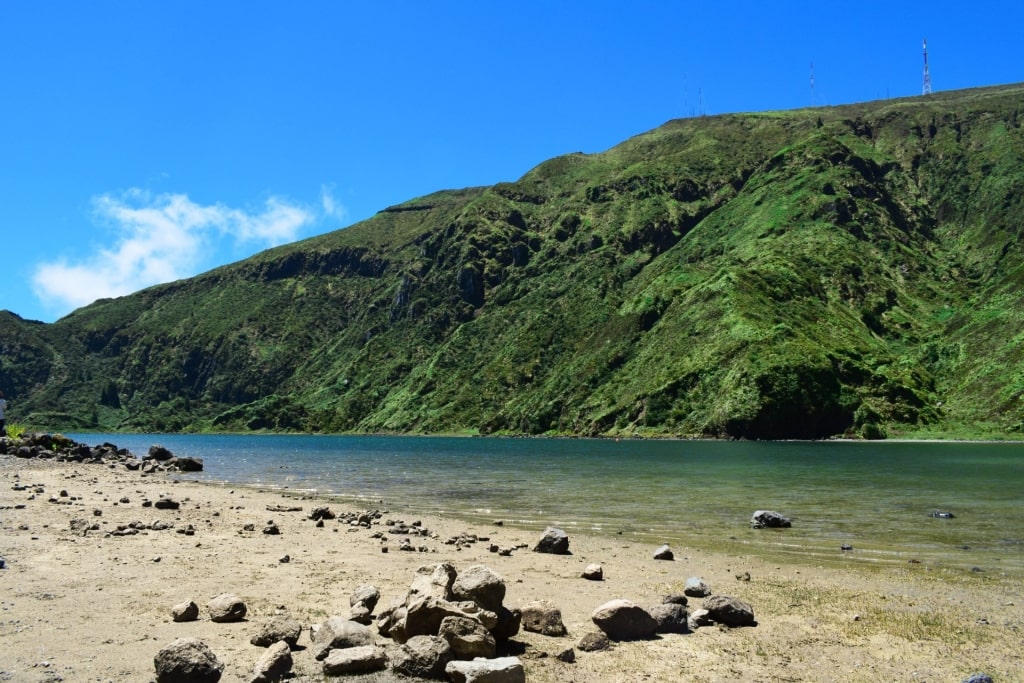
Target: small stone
<point>593,572</point>
<point>664,553</point>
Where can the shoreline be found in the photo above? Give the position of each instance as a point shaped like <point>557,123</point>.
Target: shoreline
<point>109,597</point>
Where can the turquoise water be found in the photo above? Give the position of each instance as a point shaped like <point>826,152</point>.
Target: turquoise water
<point>874,496</point>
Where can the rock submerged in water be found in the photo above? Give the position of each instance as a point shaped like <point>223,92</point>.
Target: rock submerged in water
<point>942,514</point>
<point>769,519</point>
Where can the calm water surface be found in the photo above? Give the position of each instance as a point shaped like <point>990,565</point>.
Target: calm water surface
<point>875,496</point>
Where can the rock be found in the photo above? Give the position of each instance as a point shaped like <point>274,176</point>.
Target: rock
<point>664,553</point>
<point>500,670</point>
<point>321,513</point>
<point>568,655</point>
<point>762,519</point>
<point>481,585</point>
<point>594,641</point>
<point>424,614</point>
<point>670,617</point>
<point>675,599</point>
<point>278,628</point>
<point>467,637</point>
<point>940,514</point>
<point>978,678</point>
<point>185,611</point>
<point>543,617</point>
<point>509,622</point>
<point>339,633</point>
<point>624,620</point>
<point>225,608</point>
<point>366,595</point>
<point>696,588</point>
<point>554,541</point>
<point>272,529</point>
<point>698,618</point>
<point>593,572</point>
<point>167,504</point>
<point>422,657</point>
<point>274,665</point>
<point>730,611</point>
<point>158,453</point>
<point>355,660</point>
<point>435,580</point>
<point>360,614</point>
<point>187,660</point>
<point>188,464</point>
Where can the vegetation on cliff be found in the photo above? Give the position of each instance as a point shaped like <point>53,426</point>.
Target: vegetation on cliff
<point>823,272</point>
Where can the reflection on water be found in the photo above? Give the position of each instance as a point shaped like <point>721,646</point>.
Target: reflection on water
<point>874,496</point>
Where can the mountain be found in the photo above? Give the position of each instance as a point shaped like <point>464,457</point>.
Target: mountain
<point>848,271</point>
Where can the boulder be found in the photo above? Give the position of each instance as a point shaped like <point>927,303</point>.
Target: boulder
<point>481,585</point>
<point>366,595</point>
<point>349,661</point>
<point>435,580</point>
<point>595,641</point>
<point>187,660</point>
<point>338,633</point>
<point>467,638</point>
<point>225,608</point>
<point>187,464</point>
<point>664,553</point>
<point>509,622</point>
<point>274,665</point>
<point>696,588</point>
<point>278,628</point>
<point>730,611</point>
<point>500,670</point>
<point>624,620</point>
<point>185,611</point>
<point>769,519</point>
<point>593,572</point>
<point>422,657</point>
<point>670,617</point>
<point>554,541</point>
<point>543,617</point>
<point>158,453</point>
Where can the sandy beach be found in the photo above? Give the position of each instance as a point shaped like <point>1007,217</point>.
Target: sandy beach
<point>88,605</point>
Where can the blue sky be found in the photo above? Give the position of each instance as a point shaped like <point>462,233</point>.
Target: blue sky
<point>143,142</point>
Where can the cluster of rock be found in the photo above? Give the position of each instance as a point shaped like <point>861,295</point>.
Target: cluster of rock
<point>447,626</point>
<point>60,448</point>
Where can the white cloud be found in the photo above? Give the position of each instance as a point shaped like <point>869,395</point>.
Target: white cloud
<point>160,238</point>
<point>330,205</point>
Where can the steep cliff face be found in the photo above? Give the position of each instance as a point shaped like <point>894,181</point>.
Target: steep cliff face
<point>844,271</point>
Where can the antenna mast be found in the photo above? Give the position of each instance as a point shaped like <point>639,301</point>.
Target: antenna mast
<point>926,89</point>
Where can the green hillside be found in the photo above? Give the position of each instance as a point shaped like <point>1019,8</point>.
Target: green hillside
<point>847,271</point>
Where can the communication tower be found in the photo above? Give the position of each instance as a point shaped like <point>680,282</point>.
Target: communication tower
<point>926,89</point>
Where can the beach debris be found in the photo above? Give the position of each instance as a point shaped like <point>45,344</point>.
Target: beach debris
<point>554,541</point>
<point>696,588</point>
<point>664,552</point>
<point>595,641</point>
<point>593,572</point>
<point>225,608</point>
<point>543,617</point>
<point>467,637</point>
<point>185,611</point>
<point>769,519</point>
<point>362,659</point>
<point>280,627</point>
<point>942,514</point>
<point>622,619</point>
<point>187,659</point>
<point>730,611</point>
<point>500,670</point>
<point>274,665</point>
<point>671,617</point>
<point>339,633</point>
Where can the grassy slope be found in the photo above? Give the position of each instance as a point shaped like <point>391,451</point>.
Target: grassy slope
<point>789,274</point>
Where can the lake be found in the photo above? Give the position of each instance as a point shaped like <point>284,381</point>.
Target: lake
<point>874,496</point>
